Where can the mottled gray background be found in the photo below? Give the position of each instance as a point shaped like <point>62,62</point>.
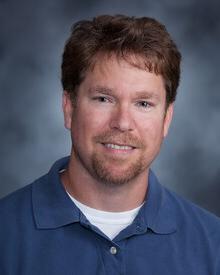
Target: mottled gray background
<point>31,123</point>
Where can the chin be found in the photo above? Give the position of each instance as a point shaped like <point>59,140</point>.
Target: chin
<point>116,175</point>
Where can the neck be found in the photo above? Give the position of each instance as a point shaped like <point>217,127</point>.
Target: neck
<point>86,189</point>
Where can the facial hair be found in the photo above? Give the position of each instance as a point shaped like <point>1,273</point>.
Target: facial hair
<point>116,171</point>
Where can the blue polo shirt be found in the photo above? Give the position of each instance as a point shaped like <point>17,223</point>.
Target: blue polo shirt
<point>42,232</point>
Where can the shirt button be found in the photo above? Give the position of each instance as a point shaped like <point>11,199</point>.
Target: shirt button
<point>113,250</point>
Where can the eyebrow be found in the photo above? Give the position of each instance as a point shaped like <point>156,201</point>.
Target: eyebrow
<point>146,94</point>
<point>110,92</point>
<point>101,90</point>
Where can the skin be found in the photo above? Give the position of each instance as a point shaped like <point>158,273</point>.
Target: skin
<point>117,103</point>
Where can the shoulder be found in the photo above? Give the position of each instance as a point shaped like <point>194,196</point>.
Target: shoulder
<point>193,218</point>
<point>17,216</point>
<point>18,201</point>
<point>193,231</point>
<point>178,211</point>
<point>188,207</point>
<point>21,200</point>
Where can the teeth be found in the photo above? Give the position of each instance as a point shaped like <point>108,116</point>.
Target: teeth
<point>118,147</point>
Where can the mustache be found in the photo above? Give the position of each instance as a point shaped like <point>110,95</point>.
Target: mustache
<point>119,138</point>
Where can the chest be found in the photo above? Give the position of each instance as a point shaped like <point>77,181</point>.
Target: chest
<point>80,250</point>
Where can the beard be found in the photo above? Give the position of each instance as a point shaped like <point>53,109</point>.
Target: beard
<point>113,170</point>
<point>116,172</point>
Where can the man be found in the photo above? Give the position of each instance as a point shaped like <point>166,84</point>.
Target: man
<point>102,210</point>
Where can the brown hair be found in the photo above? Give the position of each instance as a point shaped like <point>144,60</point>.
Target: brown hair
<point>126,37</point>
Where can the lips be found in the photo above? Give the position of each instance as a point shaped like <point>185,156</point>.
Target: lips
<point>118,147</point>
<point>113,141</point>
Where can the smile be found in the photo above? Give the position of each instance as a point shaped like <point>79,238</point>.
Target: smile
<point>118,147</point>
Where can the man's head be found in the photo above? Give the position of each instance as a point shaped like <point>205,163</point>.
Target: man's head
<point>143,42</point>
<point>122,73</point>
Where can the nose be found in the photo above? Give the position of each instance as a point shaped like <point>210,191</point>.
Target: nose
<point>122,118</point>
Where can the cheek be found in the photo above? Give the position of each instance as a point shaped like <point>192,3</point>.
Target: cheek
<point>152,131</point>
<point>97,119</point>
<point>88,124</point>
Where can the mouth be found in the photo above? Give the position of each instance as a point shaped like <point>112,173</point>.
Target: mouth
<point>124,148</point>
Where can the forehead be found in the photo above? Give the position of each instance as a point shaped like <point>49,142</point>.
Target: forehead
<point>123,74</point>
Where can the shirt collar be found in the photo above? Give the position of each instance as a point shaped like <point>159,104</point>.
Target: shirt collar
<point>158,212</point>
<point>53,207</point>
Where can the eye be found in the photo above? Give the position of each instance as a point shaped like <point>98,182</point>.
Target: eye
<point>144,104</point>
<point>102,99</point>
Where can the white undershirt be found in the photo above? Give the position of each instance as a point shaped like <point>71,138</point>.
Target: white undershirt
<point>110,223</point>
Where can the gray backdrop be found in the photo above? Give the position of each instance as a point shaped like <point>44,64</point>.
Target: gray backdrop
<point>31,123</point>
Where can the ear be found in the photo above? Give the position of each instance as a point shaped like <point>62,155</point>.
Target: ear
<point>67,110</point>
<point>168,119</point>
